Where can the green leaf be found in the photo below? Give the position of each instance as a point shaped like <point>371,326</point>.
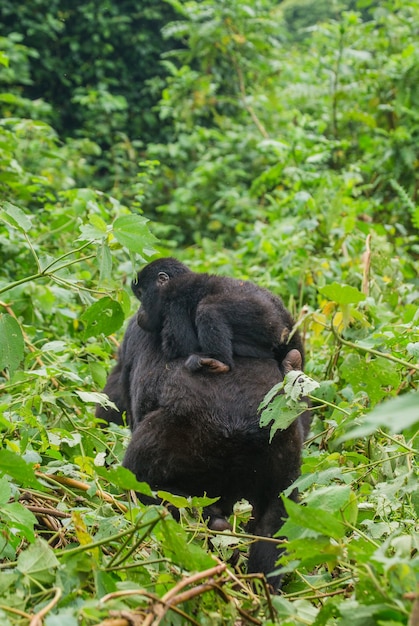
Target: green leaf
<point>283,409</point>
<point>98,223</point>
<point>5,491</point>
<point>15,217</point>
<point>104,583</point>
<point>315,519</point>
<point>354,613</point>
<point>182,502</point>
<point>413,349</point>
<point>124,479</point>
<point>38,562</point>
<point>176,544</point>
<point>104,316</point>
<point>298,384</point>
<point>63,617</point>
<point>15,466</point>
<point>91,397</point>
<point>4,59</point>
<point>331,499</point>
<point>20,518</point>
<point>11,343</point>
<point>342,294</point>
<point>96,230</point>
<point>104,258</point>
<point>282,413</point>
<point>375,377</point>
<point>132,232</point>
<point>177,501</point>
<point>396,414</point>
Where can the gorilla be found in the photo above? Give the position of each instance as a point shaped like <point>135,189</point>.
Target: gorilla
<point>195,433</point>
<point>211,319</point>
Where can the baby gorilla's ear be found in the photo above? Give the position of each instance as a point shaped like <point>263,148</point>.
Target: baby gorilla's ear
<point>292,361</point>
<point>162,278</point>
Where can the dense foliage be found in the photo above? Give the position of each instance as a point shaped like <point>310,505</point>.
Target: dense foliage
<point>284,151</point>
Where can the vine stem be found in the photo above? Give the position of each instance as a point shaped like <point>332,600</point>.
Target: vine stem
<point>326,403</point>
<point>384,355</point>
<point>174,595</point>
<point>367,266</point>
<point>45,271</point>
<point>32,249</point>
<point>63,256</point>
<point>37,619</point>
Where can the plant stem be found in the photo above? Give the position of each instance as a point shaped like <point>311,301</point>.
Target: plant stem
<point>326,403</point>
<point>63,256</point>
<point>384,355</point>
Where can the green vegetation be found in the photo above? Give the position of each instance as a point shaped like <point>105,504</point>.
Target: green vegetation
<point>264,140</point>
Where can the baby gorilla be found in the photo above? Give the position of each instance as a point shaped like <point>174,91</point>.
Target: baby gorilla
<point>211,319</point>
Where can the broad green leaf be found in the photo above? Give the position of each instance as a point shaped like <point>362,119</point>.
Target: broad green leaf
<point>15,466</point>
<point>38,561</point>
<point>7,579</point>
<point>104,316</point>
<point>315,519</point>
<point>104,583</point>
<point>4,59</point>
<point>11,343</point>
<point>283,408</point>
<point>182,502</point>
<point>98,223</point>
<point>54,346</point>
<point>104,258</point>
<point>20,518</point>
<point>96,230</point>
<point>63,617</point>
<point>354,613</point>
<point>124,479</point>
<point>413,349</point>
<point>5,491</point>
<point>97,397</point>
<point>92,397</point>
<point>275,391</point>
<point>89,232</point>
<point>177,545</point>
<point>342,294</point>
<point>177,501</point>
<point>282,413</point>
<point>331,499</point>
<point>297,611</point>
<point>312,551</point>
<point>15,217</point>
<point>132,232</point>
<point>375,377</point>
<point>396,414</point>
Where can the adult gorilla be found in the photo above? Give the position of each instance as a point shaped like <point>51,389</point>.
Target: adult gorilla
<point>195,432</point>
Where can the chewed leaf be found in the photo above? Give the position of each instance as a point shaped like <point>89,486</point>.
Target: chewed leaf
<point>11,343</point>
<point>104,316</point>
<point>298,384</point>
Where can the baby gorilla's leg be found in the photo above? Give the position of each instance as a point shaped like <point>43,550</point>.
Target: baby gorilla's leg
<point>197,363</point>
